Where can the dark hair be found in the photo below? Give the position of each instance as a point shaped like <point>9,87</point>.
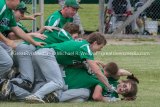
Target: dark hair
<point>131,95</point>
<point>96,36</point>
<point>111,68</point>
<point>71,28</point>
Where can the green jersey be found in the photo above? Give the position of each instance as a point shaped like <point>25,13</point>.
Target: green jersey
<point>57,36</point>
<point>114,83</point>
<point>2,8</point>
<point>8,29</point>
<point>80,78</point>
<point>72,52</point>
<point>57,19</point>
<point>7,19</point>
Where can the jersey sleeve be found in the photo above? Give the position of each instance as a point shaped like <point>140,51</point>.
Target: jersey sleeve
<point>64,36</point>
<point>12,21</point>
<point>53,20</point>
<point>85,52</point>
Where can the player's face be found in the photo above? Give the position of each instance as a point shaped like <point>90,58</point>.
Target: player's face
<point>123,88</point>
<point>71,12</point>
<point>75,36</point>
<point>18,15</point>
<point>95,47</point>
<point>12,4</point>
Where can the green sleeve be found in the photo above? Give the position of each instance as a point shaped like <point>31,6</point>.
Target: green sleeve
<point>53,20</point>
<point>13,21</point>
<point>86,53</point>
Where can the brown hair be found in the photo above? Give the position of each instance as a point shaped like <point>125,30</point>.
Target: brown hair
<point>96,36</point>
<point>71,28</point>
<point>111,68</point>
<point>131,95</point>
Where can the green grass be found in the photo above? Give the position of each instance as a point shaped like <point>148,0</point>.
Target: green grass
<point>145,67</point>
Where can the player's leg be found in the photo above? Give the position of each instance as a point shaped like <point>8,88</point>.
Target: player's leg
<point>74,95</point>
<point>6,63</point>
<point>24,59</point>
<point>51,71</point>
<point>10,91</point>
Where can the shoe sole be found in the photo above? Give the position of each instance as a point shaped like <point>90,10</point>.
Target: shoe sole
<point>5,91</point>
<point>33,101</point>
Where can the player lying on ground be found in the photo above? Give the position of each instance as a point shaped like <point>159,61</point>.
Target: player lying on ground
<point>80,82</point>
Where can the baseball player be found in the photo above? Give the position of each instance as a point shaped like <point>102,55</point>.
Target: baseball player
<point>24,60</point>
<point>76,18</point>
<point>60,17</point>
<point>83,80</point>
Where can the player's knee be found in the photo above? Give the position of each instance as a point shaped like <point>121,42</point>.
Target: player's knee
<point>61,84</point>
<point>7,64</point>
<point>58,84</point>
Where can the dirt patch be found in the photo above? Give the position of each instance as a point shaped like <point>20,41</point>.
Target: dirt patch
<point>121,39</point>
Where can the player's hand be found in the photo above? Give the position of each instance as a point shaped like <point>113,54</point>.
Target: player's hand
<point>40,36</point>
<point>33,17</point>
<point>100,63</point>
<point>132,77</point>
<point>37,14</point>
<point>11,43</point>
<point>41,44</point>
<point>51,28</point>
<point>113,89</point>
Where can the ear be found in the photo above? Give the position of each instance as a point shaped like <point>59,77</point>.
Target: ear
<point>95,42</point>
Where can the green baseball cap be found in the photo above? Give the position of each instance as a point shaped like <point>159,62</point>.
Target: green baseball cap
<point>72,3</point>
<point>22,7</point>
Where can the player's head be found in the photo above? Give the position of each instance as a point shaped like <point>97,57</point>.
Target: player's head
<point>128,89</point>
<point>97,41</point>
<point>12,4</point>
<point>20,10</point>
<point>111,69</point>
<point>73,29</point>
<point>70,8</point>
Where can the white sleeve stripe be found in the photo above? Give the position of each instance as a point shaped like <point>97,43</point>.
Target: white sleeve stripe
<point>55,23</point>
<point>88,49</point>
<point>3,9</point>
<point>64,32</point>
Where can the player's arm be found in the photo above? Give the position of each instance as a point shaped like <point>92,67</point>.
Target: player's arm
<point>37,35</point>
<point>7,41</point>
<point>49,28</point>
<point>97,94</point>
<point>96,70</point>
<point>123,72</point>
<point>32,17</point>
<point>19,32</point>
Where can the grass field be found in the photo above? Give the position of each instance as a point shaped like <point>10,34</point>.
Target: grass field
<point>145,64</point>
<point>145,67</point>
